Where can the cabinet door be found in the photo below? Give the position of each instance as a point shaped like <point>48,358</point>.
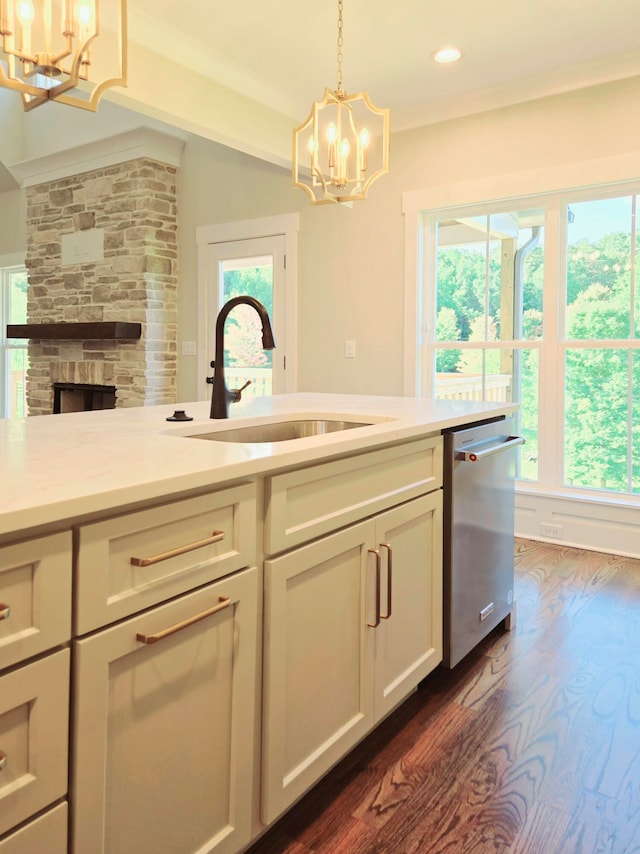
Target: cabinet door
<point>409,637</point>
<point>163,757</point>
<point>34,737</point>
<point>318,660</point>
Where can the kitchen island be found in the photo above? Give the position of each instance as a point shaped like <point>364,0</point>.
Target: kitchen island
<point>233,617</point>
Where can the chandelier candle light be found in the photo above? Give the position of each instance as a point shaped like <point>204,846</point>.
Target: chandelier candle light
<point>343,146</point>
<point>46,50</point>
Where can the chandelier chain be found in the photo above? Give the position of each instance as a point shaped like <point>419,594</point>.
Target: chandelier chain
<point>339,46</point>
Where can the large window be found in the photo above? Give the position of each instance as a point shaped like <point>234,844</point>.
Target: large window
<point>13,352</point>
<point>537,302</point>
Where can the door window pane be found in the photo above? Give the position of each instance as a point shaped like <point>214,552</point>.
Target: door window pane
<point>245,359</point>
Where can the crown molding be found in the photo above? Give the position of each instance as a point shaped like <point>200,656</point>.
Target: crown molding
<point>109,151</point>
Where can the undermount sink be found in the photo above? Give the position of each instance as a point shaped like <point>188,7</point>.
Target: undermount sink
<point>278,431</point>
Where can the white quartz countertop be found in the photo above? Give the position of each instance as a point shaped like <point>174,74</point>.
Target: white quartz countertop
<point>57,468</point>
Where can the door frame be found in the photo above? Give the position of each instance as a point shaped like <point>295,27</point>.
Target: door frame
<point>284,225</point>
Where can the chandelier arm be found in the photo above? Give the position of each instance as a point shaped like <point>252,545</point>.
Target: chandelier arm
<point>18,86</point>
<point>24,57</point>
<point>74,71</point>
<point>64,54</point>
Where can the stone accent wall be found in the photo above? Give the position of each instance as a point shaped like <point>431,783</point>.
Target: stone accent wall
<point>135,204</point>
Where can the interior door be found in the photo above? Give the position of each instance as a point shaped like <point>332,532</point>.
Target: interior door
<point>255,268</point>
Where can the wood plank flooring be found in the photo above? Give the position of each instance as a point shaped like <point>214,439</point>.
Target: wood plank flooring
<point>530,746</point>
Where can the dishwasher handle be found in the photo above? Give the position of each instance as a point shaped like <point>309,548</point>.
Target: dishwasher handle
<point>480,454</point>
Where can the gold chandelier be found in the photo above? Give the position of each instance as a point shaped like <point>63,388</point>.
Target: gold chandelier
<point>47,47</point>
<point>343,146</point>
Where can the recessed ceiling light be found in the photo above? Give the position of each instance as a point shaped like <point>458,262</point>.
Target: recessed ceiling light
<point>447,54</point>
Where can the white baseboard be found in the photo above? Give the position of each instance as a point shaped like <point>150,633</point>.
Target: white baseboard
<point>598,525</point>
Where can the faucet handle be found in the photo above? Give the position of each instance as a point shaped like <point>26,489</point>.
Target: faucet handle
<point>236,393</point>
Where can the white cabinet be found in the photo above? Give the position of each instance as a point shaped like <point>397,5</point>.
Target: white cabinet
<point>35,596</point>
<point>34,737</point>
<point>164,723</point>
<point>135,560</point>
<point>318,657</point>
<point>352,624</point>
<point>158,612</point>
<point>315,500</point>
<point>35,623</point>
<point>409,636</point>
<point>46,834</point>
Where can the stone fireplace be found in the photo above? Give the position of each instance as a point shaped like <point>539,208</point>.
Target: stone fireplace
<point>102,252</point>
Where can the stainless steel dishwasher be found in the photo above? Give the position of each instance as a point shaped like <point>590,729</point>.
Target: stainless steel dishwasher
<point>479,477</point>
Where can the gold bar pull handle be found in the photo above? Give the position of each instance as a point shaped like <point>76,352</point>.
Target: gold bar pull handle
<point>5,611</point>
<point>377,622</point>
<point>189,547</point>
<point>223,602</point>
<point>3,760</point>
<point>389,578</point>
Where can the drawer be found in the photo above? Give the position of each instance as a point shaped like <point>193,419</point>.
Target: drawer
<point>34,737</point>
<point>35,597</point>
<point>313,501</point>
<point>47,833</point>
<point>131,562</point>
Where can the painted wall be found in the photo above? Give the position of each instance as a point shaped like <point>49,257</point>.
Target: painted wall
<point>351,261</point>
<point>56,127</point>
<point>13,228</point>
<point>217,185</point>
<point>12,119</point>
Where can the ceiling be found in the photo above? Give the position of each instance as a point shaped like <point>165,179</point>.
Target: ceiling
<point>283,52</point>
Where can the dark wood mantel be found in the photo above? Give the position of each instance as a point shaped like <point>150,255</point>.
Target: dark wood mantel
<point>105,330</point>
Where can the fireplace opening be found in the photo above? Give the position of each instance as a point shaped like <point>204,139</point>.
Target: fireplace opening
<point>81,397</point>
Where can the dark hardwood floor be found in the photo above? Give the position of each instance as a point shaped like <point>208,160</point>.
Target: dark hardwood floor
<point>531,745</point>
